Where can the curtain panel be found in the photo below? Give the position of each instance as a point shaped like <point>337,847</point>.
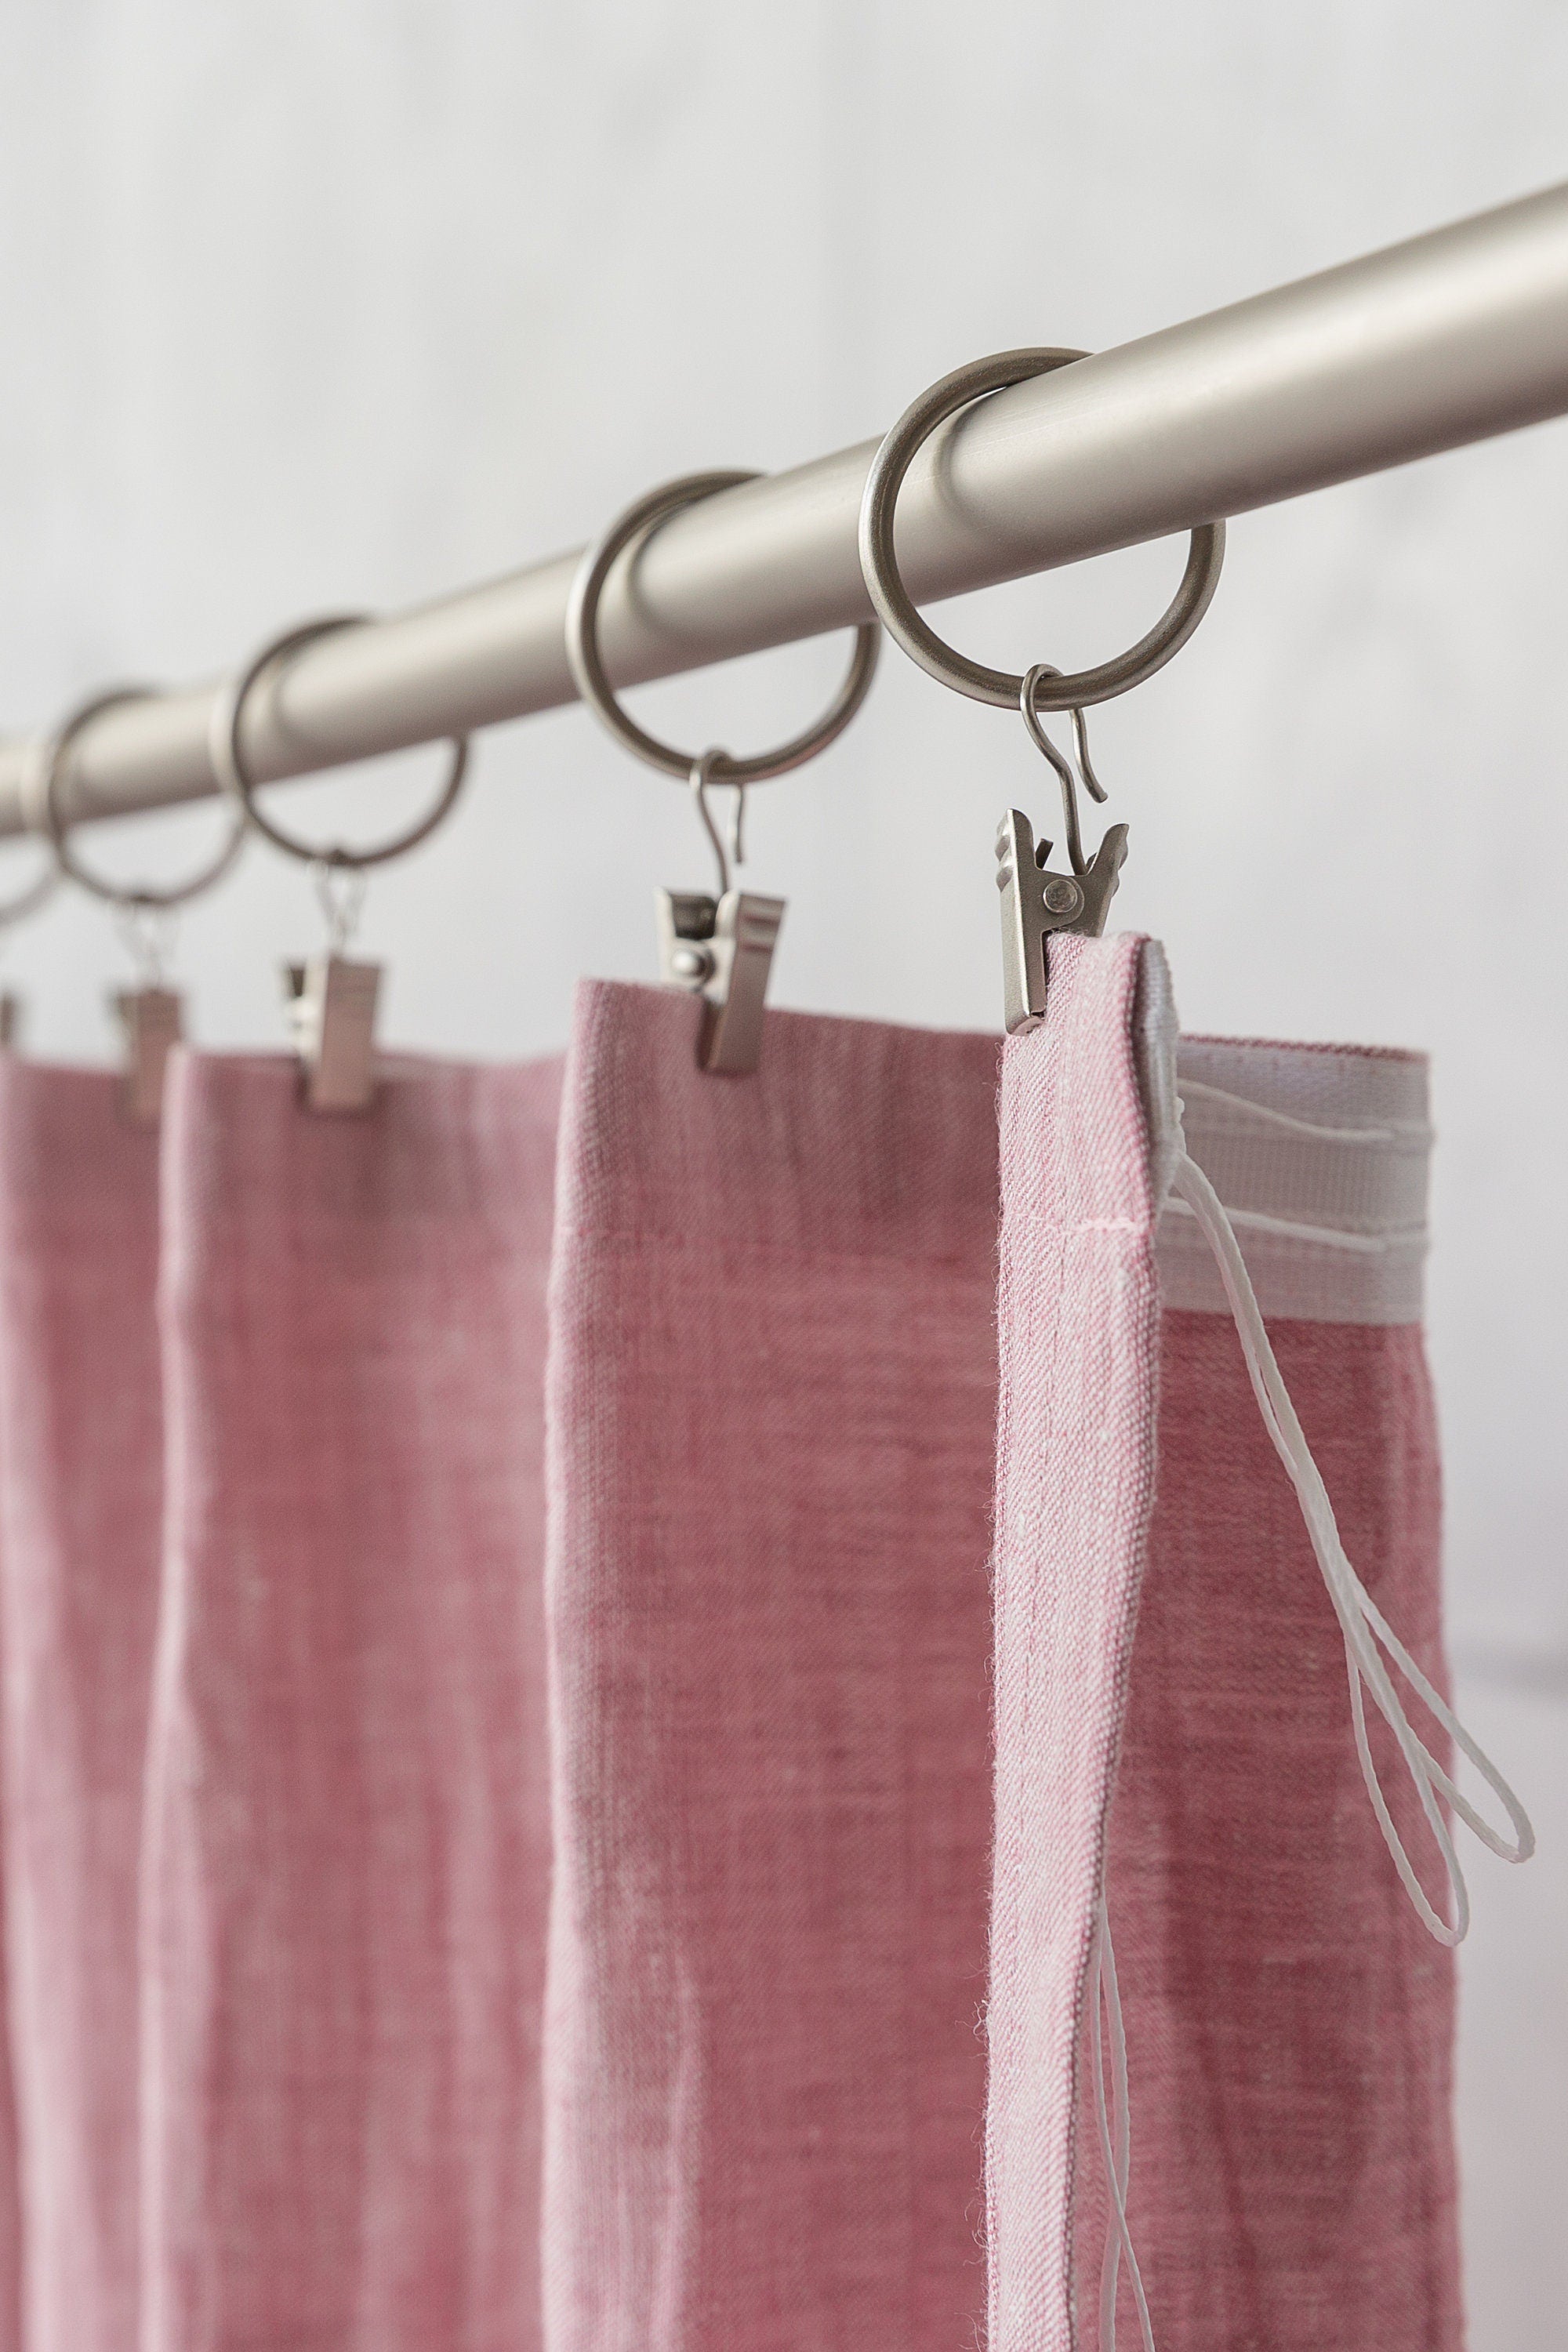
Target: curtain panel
<point>618,1687</point>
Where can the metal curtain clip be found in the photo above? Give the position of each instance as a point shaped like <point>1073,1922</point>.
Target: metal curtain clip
<point>1035,902</point>
<point>332,1024</point>
<point>720,949</point>
<point>331,1000</point>
<point>717,946</point>
<point>151,1019</point>
<point>151,1015</point>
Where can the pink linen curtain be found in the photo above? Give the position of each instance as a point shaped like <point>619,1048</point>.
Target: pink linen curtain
<point>834,1773</point>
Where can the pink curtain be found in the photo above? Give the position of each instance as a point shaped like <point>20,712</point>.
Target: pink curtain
<point>347,1831</point>
<point>81,1496</point>
<point>676,1930</point>
<point>771,1406</point>
<point>1171,1715</point>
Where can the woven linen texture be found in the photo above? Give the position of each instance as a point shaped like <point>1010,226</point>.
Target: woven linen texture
<point>348,1818</point>
<point>771,1433</point>
<point>80,1491</point>
<point>1289,2022</point>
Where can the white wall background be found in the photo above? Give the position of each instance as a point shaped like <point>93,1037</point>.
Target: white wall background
<point>321,303</point>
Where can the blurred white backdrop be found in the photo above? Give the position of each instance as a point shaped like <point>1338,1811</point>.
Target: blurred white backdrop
<point>313,306</point>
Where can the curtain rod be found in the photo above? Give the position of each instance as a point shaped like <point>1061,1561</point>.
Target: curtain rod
<point>1449,337</point>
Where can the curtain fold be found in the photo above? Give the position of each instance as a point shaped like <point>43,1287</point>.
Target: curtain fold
<point>772,1396</point>
<point>81,1496</point>
<point>1172,1722</point>
<point>347,1831</point>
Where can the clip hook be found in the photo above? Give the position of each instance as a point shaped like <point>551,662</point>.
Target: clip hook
<point>340,892</point>
<point>1073,838</point>
<point>701,775</point>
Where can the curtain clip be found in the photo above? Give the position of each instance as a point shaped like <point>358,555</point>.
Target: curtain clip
<point>1036,902</point>
<point>332,1021</point>
<point>331,1001</point>
<point>151,1020</point>
<point>720,950</point>
<point>151,1015</point>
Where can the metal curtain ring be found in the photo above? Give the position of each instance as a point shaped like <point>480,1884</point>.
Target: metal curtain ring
<point>43,775</point>
<point>1072,690</point>
<point>639,522</point>
<point>229,766</point>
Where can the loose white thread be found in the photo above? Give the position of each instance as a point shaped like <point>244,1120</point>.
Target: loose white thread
<point>1115,2138</point>
<point>1364,1628</point>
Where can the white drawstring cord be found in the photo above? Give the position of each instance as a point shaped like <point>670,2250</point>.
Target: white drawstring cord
<point>1361,1623</point>
<point>1362,1626</point>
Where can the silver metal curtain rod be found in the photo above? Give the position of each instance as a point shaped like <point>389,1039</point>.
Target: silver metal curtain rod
<point>1451,338</point>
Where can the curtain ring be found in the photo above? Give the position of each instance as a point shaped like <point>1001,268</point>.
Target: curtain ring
<point>42,776</point>
<point>637,523</point>
<point>230,766</point>
<point>920,641</point>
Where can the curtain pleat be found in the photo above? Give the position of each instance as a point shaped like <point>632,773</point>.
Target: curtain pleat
<point>80,1493</point>
<point>772,1400</point>
<point>348,1835</point>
